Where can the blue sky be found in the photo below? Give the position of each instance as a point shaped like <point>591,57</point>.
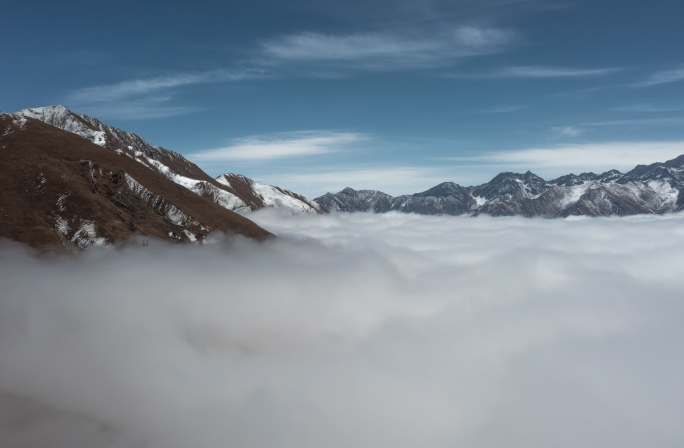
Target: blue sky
<point>382,94</point>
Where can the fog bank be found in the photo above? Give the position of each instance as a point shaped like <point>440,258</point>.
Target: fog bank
<point>353,331</point>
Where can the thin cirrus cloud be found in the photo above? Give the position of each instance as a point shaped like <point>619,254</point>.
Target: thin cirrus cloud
<point>542,72</point>
<point>663,77</point>
<point>388,50</point>
<point>280,146</point>
<point>325,55</point>
<point>639,122</point>
<point>144,98</point>
<point>503,109</point>
<point>150,107</point>
<point>588,156</point>
<point>647,108</point>
<point>538,72</point>
<point>145,86</point>
<point>567,131</point>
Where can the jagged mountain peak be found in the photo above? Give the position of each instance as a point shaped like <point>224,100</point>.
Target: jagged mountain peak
<point>510,175</point>
<point>610,173</point>
<point>677,162</point>
<point>61,117</point>
<point>51,110</point>
<point>263,195</point>
<point>573,179</point>
<point>510,185</point>
<point>653,188</point>
<point>58,188</point>
<point>349,191</point>
<point>443,189</point>
<point>671,171</point>
<point>235,192</point>
<point>349,200</point>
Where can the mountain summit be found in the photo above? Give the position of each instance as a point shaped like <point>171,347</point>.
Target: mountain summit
<point>245,195</point>
<point>648,189</point>
<point>69,179</point>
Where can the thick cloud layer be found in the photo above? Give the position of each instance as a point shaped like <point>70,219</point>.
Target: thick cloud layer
<point>353,331</point>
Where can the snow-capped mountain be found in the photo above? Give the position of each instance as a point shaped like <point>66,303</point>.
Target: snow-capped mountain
<point>58,188</point>
<point>230,191</point>
<point>259,195</point>
<point>651,189</point>
<point>350,200</point>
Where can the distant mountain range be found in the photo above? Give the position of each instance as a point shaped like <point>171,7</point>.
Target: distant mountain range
<point>71,180</point>
<point>652,189</point>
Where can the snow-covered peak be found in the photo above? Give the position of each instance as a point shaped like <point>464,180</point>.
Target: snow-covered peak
<point>56,112</point>
<point>232,191</point>
<point>264,195</point>
<point>61,117</point>
<point>280,198</point>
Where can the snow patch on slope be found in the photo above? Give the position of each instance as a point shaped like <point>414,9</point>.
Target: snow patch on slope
<point>61,117</point>
<point>200,187</point>
<point>136,148</point>
<point>573,194</point>
<point>170,211</point>
<point>86,236</point>
<point>665,192</point>
<point>62,226</point>
<point>138,189</point>
<point>479,201</point>
<point>274,197</point>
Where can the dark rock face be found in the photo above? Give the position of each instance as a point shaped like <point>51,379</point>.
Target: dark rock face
<point>446,198</point>
<point>350,200</point>
<point>570,180</point>
<point>653,189</point>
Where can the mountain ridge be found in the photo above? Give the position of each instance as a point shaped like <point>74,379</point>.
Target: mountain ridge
<point>60,189</point>
<point>647,189</point>
<point>242,197</point>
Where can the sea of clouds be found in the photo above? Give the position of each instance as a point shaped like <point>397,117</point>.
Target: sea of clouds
<point>353,331</point>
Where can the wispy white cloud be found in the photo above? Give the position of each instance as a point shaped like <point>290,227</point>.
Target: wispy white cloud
<point>541,72</point>
<point>589,156</point>
<point>655,121</point>
<point>149,107</point>
<point>279,146</point>
<point>647,108</point>
<point>504,109</point>
<point>567,131</point>
<point>389,50</point>
<point>663,77</point>
<point>145,86</point>
<point>145,98</point>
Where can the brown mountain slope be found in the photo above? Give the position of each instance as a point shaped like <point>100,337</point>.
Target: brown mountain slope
<point>234,192</point>
<point>57,188</point>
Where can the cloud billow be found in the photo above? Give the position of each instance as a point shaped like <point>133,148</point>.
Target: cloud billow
<point>352,330</point>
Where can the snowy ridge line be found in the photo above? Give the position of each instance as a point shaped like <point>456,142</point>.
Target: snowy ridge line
<point>171,164</point>
<point>158,203</point>
<point>647,189</point>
